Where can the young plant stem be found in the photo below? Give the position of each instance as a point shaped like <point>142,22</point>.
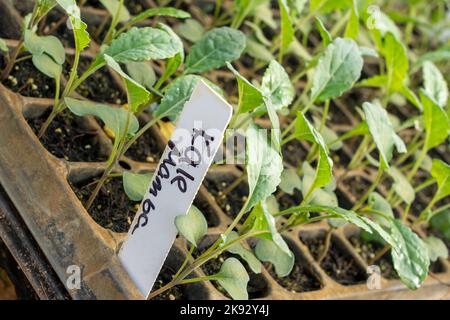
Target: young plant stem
<point>379,254</point>
<point>326,246</point>
<point>418,162</point>
<point>185,262</point>
<point>372,187</point>
<point>233,185</point>
<point>12,60</point>
<point>110,34</point>
<point>360,152</point>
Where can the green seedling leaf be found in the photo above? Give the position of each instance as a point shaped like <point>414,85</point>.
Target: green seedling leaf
<point>323,6</point>
<point>136,184</point>
<point>50,45</point>
<point>277,86</point>
<point>260,219</point>
<point>141,44</point>
<point>191,30</point>
<point>435,84</point>
<point>441,172</point>
<point>436,248</point>
<point>163,11</point>
<point>401,185</point>
<point>246,254</point>
<point>329,136</point>
<point>114,118</point>
<point>142,72</point>
<point>192,226</point>
<point>264,165</point>
<point>137,94</point>
<point>80,33</point>
<point>258,51</point>
<point>215,49</point>
<point>324,34</point>
<point>383,132</point>
<point>352,28</point>
<point>287,28</point>
<point>325,196</point>
<point>290,181</point>
<point>305,131</point>
<point>441,223</point>
<point>338,68</point>
<point>113,5</point>
<point>250,97</point>
<point>378,203</point>
<point>178,93</point>
<point>47,65</point>
<point>379,21</point>
<point>436,121</point>
<point>410,255</point>
<point>267,250</point>
<point>234,278</point>
<point>369,52</point>
<point>396,62</point>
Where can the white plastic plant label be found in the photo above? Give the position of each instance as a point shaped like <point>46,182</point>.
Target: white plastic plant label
<point>180,172</point>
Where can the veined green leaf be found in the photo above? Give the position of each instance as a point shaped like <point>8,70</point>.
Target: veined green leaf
<point>142,72</point>
<point>434,84</point>
<point>178,93</point>
<point>136,184</point>
<point>114,118</point>
<point>436,248</point>
<point>250,97</point>
<point>320,196</point>
<point>401,185</point>
<point>140,44</point>
<point>50,45</point>
<point>264,165</point>
<point>410,255</point>
<point>441,172</point>
<point>290,181</point>
<point>267,250</point>
<point>396,62</point>
<point>47,65</point>
<point>243,252</point>
<point>324,34</point>
<point>352,28</point>
<point>383,132</point>
<point>339,67</point>
<point>214,49</point>
<point>277,86</point>
<point>162,11</point>
<point>287,28</point>
<point>192,226</point>
<point>234,278</point>
<point>137,94</point>
<point>304,130</point>
<point>436,121</point>
<point>378,203</point>
<point>191,30</point>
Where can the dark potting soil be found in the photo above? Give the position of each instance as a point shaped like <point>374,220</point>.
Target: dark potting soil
<point>208,212</point>
<point>338,264</point>
<point>65,139</point>
<point>294,153</point>
<point>145,149</point>
<point>233,201</point>
<point>286,201</point>
<point>301,279</point>
<point>100,86</point>
<point>164,277</point>
<point>112,209</point>
<point>368,250</point>
<point>26,80</point>
<point>257,286</point>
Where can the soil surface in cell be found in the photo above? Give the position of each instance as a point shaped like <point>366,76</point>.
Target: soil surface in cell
<point>337,263</point>
<point>65,139</point>
<point>164,277</point>
<point>369,250</point>
<point>112,209</point>
<point>300,279</point>
<point>234,200</point>
<point>145,148</point>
